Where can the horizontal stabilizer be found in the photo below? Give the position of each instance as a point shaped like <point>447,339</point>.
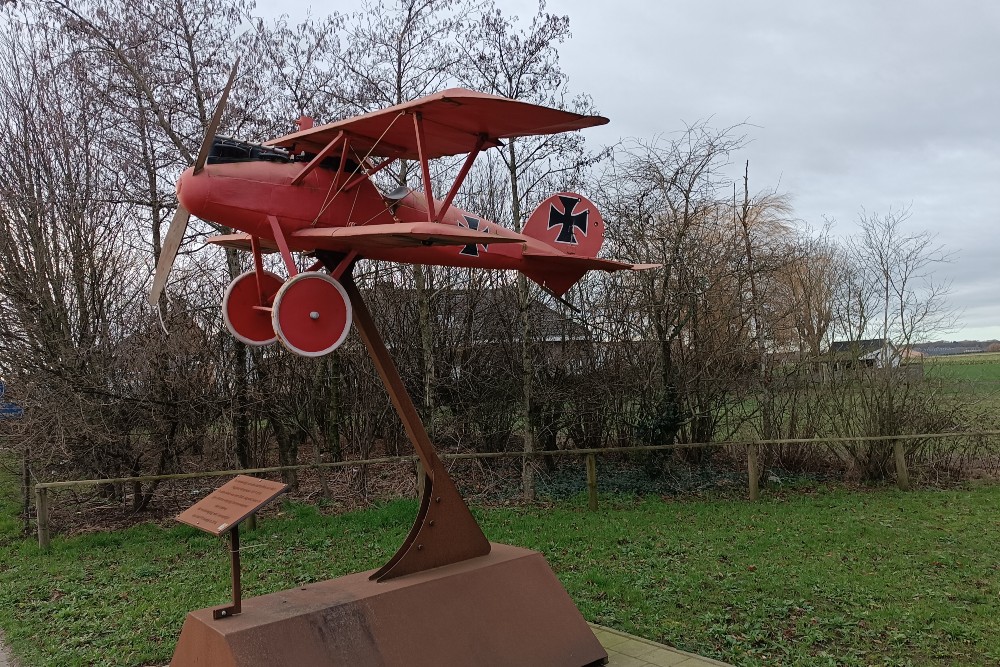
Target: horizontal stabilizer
<point>557,261</point>
<point>557,272</point>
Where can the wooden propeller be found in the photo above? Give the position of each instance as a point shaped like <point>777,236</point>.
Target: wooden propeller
<point>178,226</point>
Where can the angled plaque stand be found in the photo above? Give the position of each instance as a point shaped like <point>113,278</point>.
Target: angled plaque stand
<point>221,512</point>
<point>447,598</point>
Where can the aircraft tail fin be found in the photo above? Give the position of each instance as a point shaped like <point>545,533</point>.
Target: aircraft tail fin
<point>572,226</point>
<point>569,223</point>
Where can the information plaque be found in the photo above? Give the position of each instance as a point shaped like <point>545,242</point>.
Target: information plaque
<point>221,511</point>
<point>218,512</point>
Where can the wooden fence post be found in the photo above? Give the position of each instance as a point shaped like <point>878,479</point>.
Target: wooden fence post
<point>42,515</point>
<point>592,481</point>
<point>753,470</point>
<point>902,476</point>
<point>26,492</point>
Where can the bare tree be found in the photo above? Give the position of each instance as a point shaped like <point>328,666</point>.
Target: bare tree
<point>904,300</point>
<point>811,278</point>
<point>397,51</point>
<point>523,63</point>
<point>72,275</point>
<point>891,293</point>
<point>665,204</point>
<point>303,63</point>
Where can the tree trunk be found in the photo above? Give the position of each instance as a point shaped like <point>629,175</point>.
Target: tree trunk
<point>528,401</point>
<point>330,419</point>
<point>425,324</point>
<point>288,453</point>
<point>241,410</point>
<point>527,362</point>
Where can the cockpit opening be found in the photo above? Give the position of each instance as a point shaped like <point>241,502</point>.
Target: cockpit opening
<point>227,151</point>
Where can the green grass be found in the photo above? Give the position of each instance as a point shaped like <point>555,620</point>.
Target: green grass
<point>971,381</point>
<point>983,368</point>
<point>821,577</point>
<point>959,359</point>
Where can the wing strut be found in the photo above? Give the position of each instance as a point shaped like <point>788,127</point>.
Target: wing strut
<point>279,237</point>
<point>322,155</point>
<point>425,168</point>
<point>371,171</point>
<point>461,177</point>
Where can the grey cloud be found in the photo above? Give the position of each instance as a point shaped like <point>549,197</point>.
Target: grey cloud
<point>856,103</point>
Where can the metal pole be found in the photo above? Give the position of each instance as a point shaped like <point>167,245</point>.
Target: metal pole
<point>445,531</point>
<point>234,548</point>
<point>234,556</point>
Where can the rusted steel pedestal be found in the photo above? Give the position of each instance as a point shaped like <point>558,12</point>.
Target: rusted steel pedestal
<point>505,609</point>
<point>447,598</point>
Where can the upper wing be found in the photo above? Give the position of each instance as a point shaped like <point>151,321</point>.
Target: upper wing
<point>370,237</point>
<point>453,122</point>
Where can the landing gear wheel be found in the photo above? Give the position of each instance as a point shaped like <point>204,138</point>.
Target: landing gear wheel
<point>311,314</point>
<point>244,320</point>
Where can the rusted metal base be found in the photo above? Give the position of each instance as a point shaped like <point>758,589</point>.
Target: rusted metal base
<point>505,609</point>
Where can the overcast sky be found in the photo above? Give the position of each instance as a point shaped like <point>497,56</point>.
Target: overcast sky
<point>853,103</point>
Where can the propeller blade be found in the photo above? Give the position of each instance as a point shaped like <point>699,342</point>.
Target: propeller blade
<point>168,252</point>
<point>178,226</point>
<point>213,126</point>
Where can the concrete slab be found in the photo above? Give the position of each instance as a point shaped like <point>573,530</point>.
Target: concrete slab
<point>625,650</point>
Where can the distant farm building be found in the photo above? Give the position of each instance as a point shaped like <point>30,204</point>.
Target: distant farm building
<point>872,353</point>
<point>911,354</point>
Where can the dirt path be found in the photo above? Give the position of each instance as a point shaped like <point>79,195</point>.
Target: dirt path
<point>6,660</point>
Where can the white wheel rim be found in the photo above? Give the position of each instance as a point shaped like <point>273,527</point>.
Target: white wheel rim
<point>225,312</point>
<point>276,323</point>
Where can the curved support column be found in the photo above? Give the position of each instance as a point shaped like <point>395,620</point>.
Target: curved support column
<point>445,531</point>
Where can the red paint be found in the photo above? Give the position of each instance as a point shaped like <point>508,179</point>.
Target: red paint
<point>306,206</point>
<point>241,307</point>
<point>311,314</point>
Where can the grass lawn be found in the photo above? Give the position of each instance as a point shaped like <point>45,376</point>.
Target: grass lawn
<point>983,367</point>
<point>973,358</point>
<point>813,577</point>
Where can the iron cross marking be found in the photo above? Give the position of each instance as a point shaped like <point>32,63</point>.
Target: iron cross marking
<point>473,249</point>
<point>570,223</point>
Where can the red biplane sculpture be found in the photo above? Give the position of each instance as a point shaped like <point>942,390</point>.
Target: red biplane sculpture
<point>311,191</point>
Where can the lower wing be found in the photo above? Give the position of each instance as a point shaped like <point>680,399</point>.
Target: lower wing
<point>370,237</point>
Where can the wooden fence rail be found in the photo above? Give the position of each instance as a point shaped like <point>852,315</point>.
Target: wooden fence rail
<point>42,501</point>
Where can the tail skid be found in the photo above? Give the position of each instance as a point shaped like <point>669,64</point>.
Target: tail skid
<point>555,283</point>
